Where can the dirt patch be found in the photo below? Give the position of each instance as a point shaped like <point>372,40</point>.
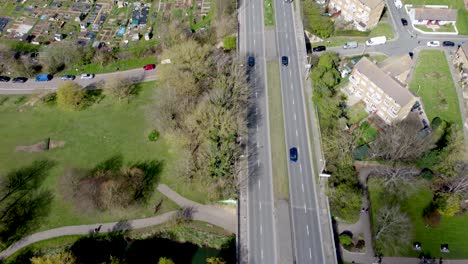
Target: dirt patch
<point>435,75</point>
<point>44,145</point>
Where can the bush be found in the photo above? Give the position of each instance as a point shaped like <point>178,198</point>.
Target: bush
<point>345,202</point>
<point>431,215</point>
<point>346,240</point>
<point>153,135</point>
<point>451,206</point>
<point>49,99</point>
<point>230,42</point>
<point>20,100</point>
<point>70,96</point>
<point>321,26</point>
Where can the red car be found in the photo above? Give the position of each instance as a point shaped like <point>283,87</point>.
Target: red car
<point>149,67</point>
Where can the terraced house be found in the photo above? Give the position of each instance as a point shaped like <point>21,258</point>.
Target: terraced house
<point>460,61</point>
<point>364,13</point>
<point>383,95</point>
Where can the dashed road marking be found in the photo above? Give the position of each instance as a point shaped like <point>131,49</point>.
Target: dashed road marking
<point>307,226</point>
<point>302,187</point>
<point>310,253</point>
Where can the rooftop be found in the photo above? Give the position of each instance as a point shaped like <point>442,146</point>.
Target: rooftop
<point>444,14</point>
<point>371,3</point>
<point>392,88</point>
<point>397,66</point>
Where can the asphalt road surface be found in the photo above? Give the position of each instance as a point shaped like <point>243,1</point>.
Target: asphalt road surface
<point>307,238</point>
<point>261,227</point>
<point>31,86</point>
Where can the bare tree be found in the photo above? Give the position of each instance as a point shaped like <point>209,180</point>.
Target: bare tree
<point>119,87</point>
<point>401,141</point>
<point>396,180</point>
<point>393,229</point>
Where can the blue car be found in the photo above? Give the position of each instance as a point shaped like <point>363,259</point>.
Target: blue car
<point>293,154</point>
<point>251,61</point>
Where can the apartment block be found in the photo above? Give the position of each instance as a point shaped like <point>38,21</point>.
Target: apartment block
<point>365,13</point>
<point>382,95</point>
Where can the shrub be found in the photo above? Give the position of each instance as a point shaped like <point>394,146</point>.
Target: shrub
<point>346,240</point>
<point>70,96</point>
<point>230,42</point>
<point>49,99</point>
<point>451,205</point>
<point>153,135</point>
<point>20,100</point>
<point>431,215</point>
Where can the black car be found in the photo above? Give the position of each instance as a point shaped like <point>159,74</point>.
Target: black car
<point>4,79</point>
<point>448,44</point>
<point>68,77</point>
<point>284,60</point>
<point>251,61</point>
<point>404,22</point>
<point>20,80</point>
<point>411,54</point>
<point>319,48</point>
<point>293,154</point>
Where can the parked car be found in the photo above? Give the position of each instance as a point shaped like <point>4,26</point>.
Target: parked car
<point>319,48</point>
<point>19,80</point>
<point>350,45</point>
<point>293,154</point>
<point>448,44</point>
<point>68,77</point>
<point>404,22</point>
<point>285,60</point>
<point>87,76</point>
<point>376,41</point>
<point>411,54</point>
<point>251,61</point>
<point>398,3</point>
<point>4,79</point>
<point>433,43</point>
<point>288,1</point>
<point>149,67</point>
<point>43,77</point>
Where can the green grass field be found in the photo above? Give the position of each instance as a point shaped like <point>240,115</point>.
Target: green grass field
<point>432,81</point>
<point>452,230</point>
<point>356,113</point>
<point>277,137</point>
<point>268,13</point>
<point>382,29</point>
<point>462,19</point>
<point>92,135</point>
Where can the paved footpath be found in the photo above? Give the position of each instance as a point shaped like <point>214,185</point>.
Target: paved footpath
<point>206,213</point>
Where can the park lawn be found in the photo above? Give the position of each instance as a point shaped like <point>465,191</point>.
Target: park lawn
<point>277,135</point>
<point>268,13</point>
<point>462,19</point>
<point>451,230</point>
<point>433,79</point>
<point>92,135</point>
<point>121,65</point>
<point>356,113</point>
<point>382,29</point>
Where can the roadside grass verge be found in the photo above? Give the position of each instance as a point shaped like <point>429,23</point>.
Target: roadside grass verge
<point>432,81</point>
<point>451,230</point>
<point>277,135</point>
<point>269,13</point>
<point>119,65</point>
<point>382,29</point>
<point>103,130</point>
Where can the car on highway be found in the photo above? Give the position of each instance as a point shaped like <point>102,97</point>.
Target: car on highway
<point>319,48</point>
<point>433,43</point>
<point>398,3</point>
<point>288,1</point>
<point>251,61</point>
<point>448,44</point>
<point>87,76</point>
<point>68,77</point>
<point>293,154</point>
<point>404,22</point>
<point>4,79</point>
<point>285,60</point>
<point>19,80</point>
<point>149,67</point>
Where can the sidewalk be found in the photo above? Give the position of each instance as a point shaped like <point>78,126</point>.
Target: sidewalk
<point>207,213</point>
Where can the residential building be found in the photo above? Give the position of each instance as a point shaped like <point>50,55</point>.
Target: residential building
<point>397,67</point>
<point>365,13</point>
<point>382,94</point>
<point>431,15</point>
<point>460,60</point>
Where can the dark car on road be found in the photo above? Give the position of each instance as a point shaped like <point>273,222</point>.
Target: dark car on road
<point>251,61</point>
<point>404,22</point>
<point>448,44</point>
<point>4,79</point>
<point>293,154</point>
<point>285,60</point>
<point>411,54</point>
<point>20,80</point>
<point>68,77</point>
<point>319,48</point>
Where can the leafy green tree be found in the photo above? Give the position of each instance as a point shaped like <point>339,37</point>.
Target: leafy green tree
<point>57,258</point>
<point>70,96</point>
<point>164,260</point>
<point>229,42</point>
<point>450,206</point>
<point>345,240</point>
<point>345,201</point>
<point>215,260</point>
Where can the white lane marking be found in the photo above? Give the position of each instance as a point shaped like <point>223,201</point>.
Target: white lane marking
<point>254,42</point>
<point>293,101</point>
<point>297,134</point>
<point>307,226</point>
<point>257,128</point>
<point>294,116</point>
<point>310,253</point>
<point>256,94</point>
<point>300,167</point>
<point>256,110</point>
<point>290,75</point>
<point>260,206</point>
<point>305,208</point>
<point>258,163</point>
<point>253,6</point>
<point>261,253</point>
<point>259,184</point>
<point>291,85</point>
<point>261,229</point>
<point>286,35</point>
<point>302,187</point>
<point>258,144</point>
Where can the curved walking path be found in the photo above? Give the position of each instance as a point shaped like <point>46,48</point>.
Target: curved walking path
<point>206,213</point>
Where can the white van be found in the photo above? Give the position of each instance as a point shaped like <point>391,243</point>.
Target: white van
<point>398,4</point>
<point>376,41</point>
<point>350,45</point>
